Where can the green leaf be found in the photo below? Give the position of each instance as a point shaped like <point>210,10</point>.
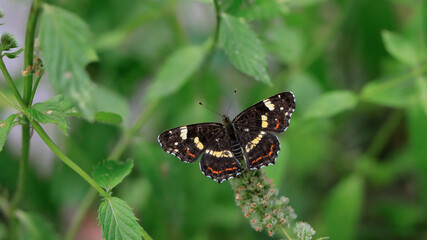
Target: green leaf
<point>243,48</point>
<point>15,54</point>
<point>332,103</point>
<point>109,118</point>
<point>108,101</point>
<point>109,174</point>
<point>117,220</point>
<point>5,127</point>
<point>52,111</point>
<point>342,209</point>
<point>176,70</point>
<point>401,49</point>
<point>66,44</point>
<point>396,92</point>
<point>35,226</point>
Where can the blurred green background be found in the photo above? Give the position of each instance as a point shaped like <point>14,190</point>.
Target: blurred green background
<point>353,161</point>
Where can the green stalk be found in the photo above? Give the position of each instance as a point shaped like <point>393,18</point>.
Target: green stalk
<point>218,22</point>
<point>11,84</point>
<point>10,102</point>
<point>115,154</point>
<point>121,145</point>
<point>29,47</point>
<point>24,102</point>
<point>211,44</point>
<point>286,233</point>
<point>34,89</point>
<point>43,135</point>
<point>173,22</point>
<point>80,214</point>
<point>384,133</point>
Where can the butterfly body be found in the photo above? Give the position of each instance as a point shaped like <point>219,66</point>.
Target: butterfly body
<point>232,137</point>
<point>222,145</point>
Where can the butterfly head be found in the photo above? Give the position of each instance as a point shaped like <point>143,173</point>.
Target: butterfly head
<point>225,119</point>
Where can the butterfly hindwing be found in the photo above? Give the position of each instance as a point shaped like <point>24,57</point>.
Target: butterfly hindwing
<point>272,114</point>
<point>188,142</point>
<point>218,161</point>
<point>259,148</point>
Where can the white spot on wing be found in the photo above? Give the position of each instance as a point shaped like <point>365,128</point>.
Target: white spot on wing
<point>268,104</point>
<point>184,132</point>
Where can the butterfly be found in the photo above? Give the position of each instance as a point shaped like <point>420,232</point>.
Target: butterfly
<point>222,145</point>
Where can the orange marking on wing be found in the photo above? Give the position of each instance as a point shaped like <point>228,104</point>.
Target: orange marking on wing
<point>278,124</point>
<point>189,153</point>
<point>218,172</point>
<point>268,155</point>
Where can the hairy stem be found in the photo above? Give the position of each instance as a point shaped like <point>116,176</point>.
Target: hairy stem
<point>115,154</point>
<point>127,136</point>
<point>10,102</point>
<point>383,135</point>
<point>43,135</point>
<point>80,214</point>
<point>36,84</point>
<point>286,233</point>
<point>214,43</point>
<point>29,47</point>
<point>218,23</point>
<point>11,84</point>
<point>24,102</point>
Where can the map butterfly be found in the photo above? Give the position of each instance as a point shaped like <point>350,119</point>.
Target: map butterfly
<point>249,135</point>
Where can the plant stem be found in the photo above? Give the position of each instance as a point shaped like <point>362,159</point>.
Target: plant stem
<point>43,135</point>
<point>212,44</point>
<point>10,102</point>
<point>286,233</point>
<point>36,84</point>
<point>128,135</point>
<point>218,22</point>
<point>383,135</point>
<point>29,48</point>
<point>23,165</point>
<point>173,22</point>
<point>24,102</point>
<point>81,213</point>
<point>321,44</point>
<point>12,86</point>
<point>115,154</point>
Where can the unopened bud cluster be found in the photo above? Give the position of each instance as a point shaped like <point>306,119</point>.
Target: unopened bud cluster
<point>7,42</point>
<point>256,196</point>
<point>37,68</point>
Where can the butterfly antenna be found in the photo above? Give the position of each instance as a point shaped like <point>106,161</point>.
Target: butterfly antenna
<point>232,100</point>
<point>208,108</point>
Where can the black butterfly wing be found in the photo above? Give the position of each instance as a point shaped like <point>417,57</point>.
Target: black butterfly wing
<point>253,127</point>
<point>259,148</point>
<point>271,115</point>
<point>188,142</point>
<point>218,161</point>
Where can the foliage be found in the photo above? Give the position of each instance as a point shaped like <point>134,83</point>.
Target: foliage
<point>352,163</point>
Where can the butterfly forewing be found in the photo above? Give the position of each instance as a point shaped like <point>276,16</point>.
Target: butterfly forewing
<point>272,114</point>
<point>218,161</point>
<point>188,142</point>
